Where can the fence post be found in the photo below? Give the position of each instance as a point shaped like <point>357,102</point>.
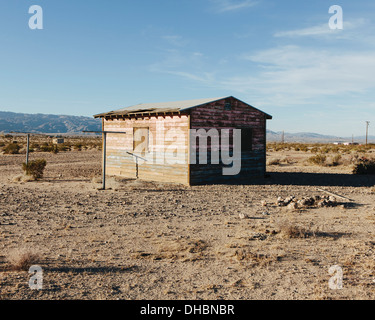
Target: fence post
<point>104,157</point>
<point>27,148</point>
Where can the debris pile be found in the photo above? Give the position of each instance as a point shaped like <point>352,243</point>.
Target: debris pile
<point>316,201</point>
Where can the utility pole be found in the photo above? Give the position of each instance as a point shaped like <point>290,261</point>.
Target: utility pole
<point>367,125</point>
<point>283,137</point>
<point>27,148</point>
<point>27,144</point>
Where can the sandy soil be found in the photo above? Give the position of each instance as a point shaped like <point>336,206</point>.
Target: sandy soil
<point>152,241</point>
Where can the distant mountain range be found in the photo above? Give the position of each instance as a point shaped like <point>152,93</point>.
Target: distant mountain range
<point>313,137</point>
<point>64,124</point>
<point>46,123</point>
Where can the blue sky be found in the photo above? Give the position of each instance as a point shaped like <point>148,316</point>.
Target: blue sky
<point>280,56</point>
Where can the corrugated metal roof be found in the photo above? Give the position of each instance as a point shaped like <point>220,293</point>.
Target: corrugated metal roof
<point>161,107</point>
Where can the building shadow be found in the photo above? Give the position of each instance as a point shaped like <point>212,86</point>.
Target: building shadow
<point>319,179</point>
<point>274,178</point>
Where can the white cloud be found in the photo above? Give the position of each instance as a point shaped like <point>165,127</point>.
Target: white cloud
<point>302,87</point>
<point>233,5</point>
<point>323,30</point>
<point>204,77</point>
<point>312,31</point>
<point>293,75</point>
<point>287,75</point>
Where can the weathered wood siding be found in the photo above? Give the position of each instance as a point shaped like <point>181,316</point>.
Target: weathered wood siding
<point>167,157</point>
<point>240,115</point>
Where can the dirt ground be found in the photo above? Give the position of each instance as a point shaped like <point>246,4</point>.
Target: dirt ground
<point>162,242</point>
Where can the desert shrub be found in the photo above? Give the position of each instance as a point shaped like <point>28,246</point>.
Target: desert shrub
<point>319,159</point>
<point>35,147</point>
<point>95,144</point>
<point>325,149</point>
<point>281,147</point>
<point>78,146</point>
<point>335,149</point>
<point>55,149</point>
<point>12,148</point>
<point>270,146</point>
<point>364,166</point>
<point>46,147</point>
<point>354,158</point>
<point>361,150</point>
<point>35,168</point>
<point>63,147</point>
<point>314,150</point>
<point>299,147</point>
<point>336,160</point>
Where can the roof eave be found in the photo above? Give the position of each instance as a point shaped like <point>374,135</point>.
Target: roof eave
<point>183,110</point>
<point>135,114</point>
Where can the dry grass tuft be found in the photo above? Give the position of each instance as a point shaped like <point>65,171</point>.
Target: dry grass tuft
<point>274,162</point>
<point>182,250</point>
<point>23,178</point>
<point>22,259</point>
<point>291,231</point>
<point>17,178</point>
<point>96,180</point>
<point>255,259</point>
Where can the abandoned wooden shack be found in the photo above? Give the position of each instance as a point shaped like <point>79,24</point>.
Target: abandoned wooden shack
<point>165,142</point>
